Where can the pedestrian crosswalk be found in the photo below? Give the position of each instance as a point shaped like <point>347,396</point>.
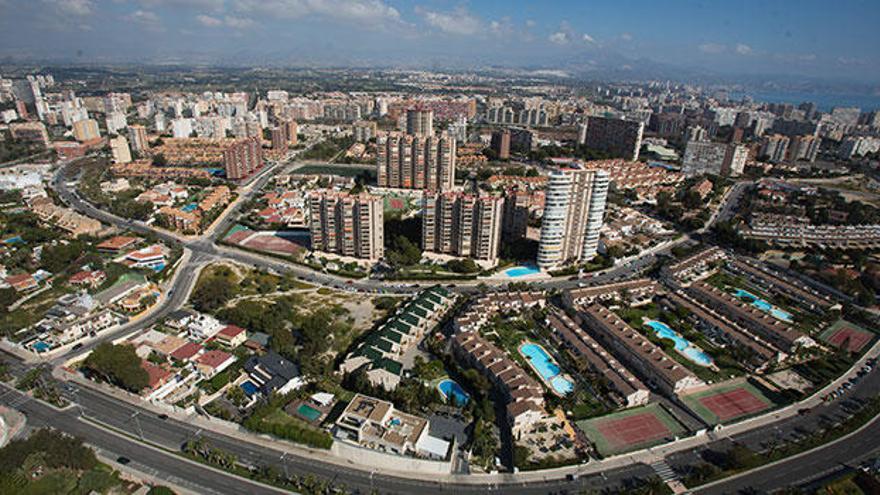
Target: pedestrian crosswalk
<point>664,471</point>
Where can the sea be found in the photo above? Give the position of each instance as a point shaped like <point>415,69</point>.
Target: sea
<point>824,101</point>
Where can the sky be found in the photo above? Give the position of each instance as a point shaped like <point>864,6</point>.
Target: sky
<point>834,39</point>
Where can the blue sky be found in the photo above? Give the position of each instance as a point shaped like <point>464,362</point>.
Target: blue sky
<point>834,39</point>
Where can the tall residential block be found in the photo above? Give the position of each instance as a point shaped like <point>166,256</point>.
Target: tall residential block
<point>279,138</point>
<point>137,135</point>
<point>243,157</point>
<point>463,225</point>
<point>804,148</point>
<point>501,144</point>
<point>120,150</point>
<point>292,132</point>
<point>515,220</point>
<point>574,210</point>
<point>86,130</point>
<point>619,138</point>
<point>775,148</point>
<point>347,225</point>
<point>706,157</point>
<point>420,122</point>
<point>415,162</point>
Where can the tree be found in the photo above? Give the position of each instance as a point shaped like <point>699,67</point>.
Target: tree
<point>7,297</point>
<point>403,252</point>
<point>463,266</point>
<point>56,449</point>
<point>119,365</point>
<point>213,292</point>
<point>60,256</point>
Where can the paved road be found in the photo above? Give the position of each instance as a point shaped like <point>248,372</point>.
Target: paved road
<point>809,467</point>
<point>167,466</point>
<point>95,409</point>
<point>790,472</point>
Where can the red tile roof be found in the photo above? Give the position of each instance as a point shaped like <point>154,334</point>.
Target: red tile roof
<point>157,374</point>
<point>231,331</point>
<point>213,359</point>
<point>117,243</point>
<point>86,276</point>
<point>186,351</point>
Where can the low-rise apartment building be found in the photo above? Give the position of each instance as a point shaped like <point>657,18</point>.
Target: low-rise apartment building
<point>570,336</point>
<point>524,395</point>
<point>780,334</point>
<point>381,351</point>
<point>636,350</point>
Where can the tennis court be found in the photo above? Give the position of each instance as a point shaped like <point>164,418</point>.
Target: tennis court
<point>728,402</point>
<point>846,335</point>
<point>630,430</point>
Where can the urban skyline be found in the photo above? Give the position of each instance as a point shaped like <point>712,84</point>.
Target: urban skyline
<point>644,39</point>
<point>340,247</point>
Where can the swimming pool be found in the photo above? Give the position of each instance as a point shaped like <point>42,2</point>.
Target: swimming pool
<point>308,412</point>
<point>763,305</point>
<point>189,208</point>
<point>521,271</point>
<point>249,388</point>
<point>452,390</point>
<point>544,365</point>
<point>682,345</point>
<point>41,346</point>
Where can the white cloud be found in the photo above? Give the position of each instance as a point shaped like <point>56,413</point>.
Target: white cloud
<point>712,48</point>
<point>459,21</point>
<point>530,23</point>
<point>145,18</point>
<point>502,27</point>
<point>72,7</point>
<point>559,38</point>
<point>206,20</point>
<point>743,49</point>
<point>228,21</point>
<point>626,37</point>
<point>212,5</point>
<point>239,22</point>
<point>365,11</point>
<point>588,38</point>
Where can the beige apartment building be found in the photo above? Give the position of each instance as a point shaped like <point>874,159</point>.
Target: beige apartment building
<point>463,225</point>
<point>347,225</point>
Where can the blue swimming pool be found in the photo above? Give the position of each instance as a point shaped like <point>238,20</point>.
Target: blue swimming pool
<point>249,388</point>
<point>521,271</point>
<point>763,305</point>
<point>41,346</point>
<point>189,208</point>
<point>682,345</point>
<point>452,391</point>
<point>546,367</point>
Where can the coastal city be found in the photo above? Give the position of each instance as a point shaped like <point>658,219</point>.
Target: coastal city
<point>346,280</point>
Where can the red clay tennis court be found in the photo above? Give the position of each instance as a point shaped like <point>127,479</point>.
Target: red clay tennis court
<point>733,403</point>
<point>633,430</point>
<point>848,337</point>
